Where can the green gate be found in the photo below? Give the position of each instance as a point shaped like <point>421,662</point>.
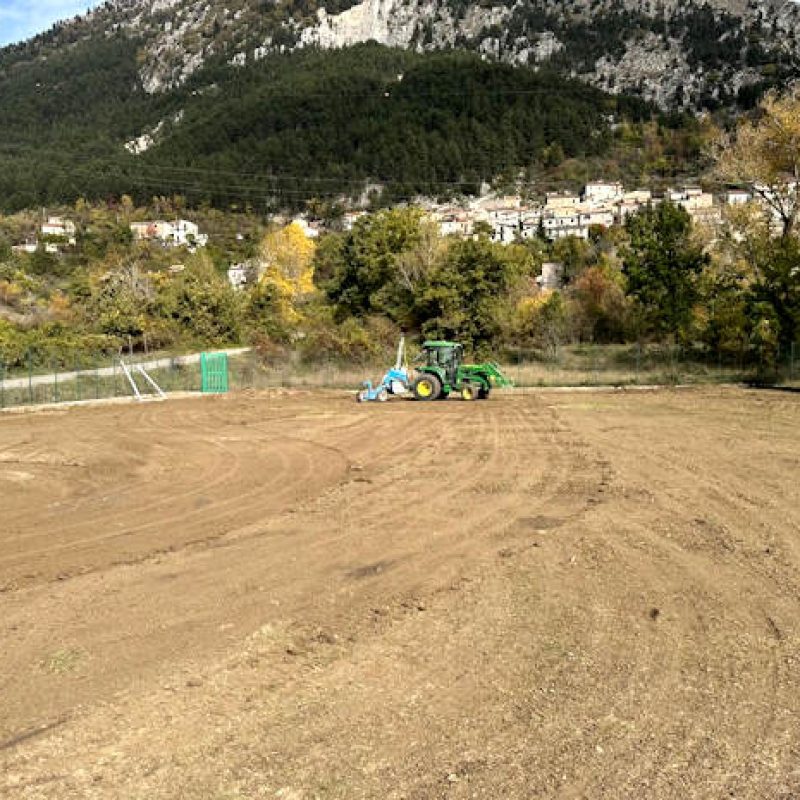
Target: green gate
<point>214,372</point>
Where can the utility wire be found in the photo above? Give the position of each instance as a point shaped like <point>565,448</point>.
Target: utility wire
<point>161,173</point>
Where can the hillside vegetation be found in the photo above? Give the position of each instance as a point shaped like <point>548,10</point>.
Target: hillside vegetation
<point>314,124</point>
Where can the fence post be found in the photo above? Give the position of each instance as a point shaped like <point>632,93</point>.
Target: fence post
<point>55,382</point>
<point>77,369</point>
<point>96,380</point>
<point>2,384</point>
<point>673,378</point>
<point>30,377</point>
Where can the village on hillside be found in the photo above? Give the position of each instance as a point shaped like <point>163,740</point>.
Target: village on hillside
<point>506,219</point>
<point>599,204</point>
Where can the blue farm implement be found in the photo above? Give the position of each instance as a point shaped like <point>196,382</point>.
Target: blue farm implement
<point>395,381</point>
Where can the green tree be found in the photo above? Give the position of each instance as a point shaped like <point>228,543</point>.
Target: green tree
<point>203,304</point>
<point>467,293</point>
<point>543,321</point>
<point>574,253</point>
<point>364,268</point>
<point>722,319</point>
<point>662,265</point>
<point>120,303</point>
<point>778,285</point>
<point>599,305</point>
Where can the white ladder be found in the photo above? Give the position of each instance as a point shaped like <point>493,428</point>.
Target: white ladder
<point>157,393</point>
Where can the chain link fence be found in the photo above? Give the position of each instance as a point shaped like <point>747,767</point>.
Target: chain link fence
<point>571,365</point>
<point>90,377</point>
<point>102,377</point>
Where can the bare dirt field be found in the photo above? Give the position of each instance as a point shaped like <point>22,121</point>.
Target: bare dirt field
<point>561,595</point>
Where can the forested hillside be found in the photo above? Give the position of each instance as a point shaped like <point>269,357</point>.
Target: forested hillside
<point>309,124</point>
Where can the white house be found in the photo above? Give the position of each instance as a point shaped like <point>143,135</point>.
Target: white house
<point>455,222</point>
<point>187,234</point>
<point>506,223</point>
<point>631,203</point>
<point>598,192</point>
<point>32,247</point>
<point>552,275</point>
<point>63,228</point>
<point>558,225</point>
<point>692,199</point>
<point>638,196</point>
<point>311,230</point>
<point>529,224</point>
<point>505,233</point>
<point>28,247</point>
<point>237,275</point>
<point>350,217</point>
<point>737,197</point>
<point>600,216</point>
<point>180,233</point>
<point>559,202</point>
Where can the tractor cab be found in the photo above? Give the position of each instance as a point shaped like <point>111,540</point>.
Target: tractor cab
<point>444,358</point>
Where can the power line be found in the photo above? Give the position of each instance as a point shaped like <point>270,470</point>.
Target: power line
<point>160,173</point>
<point>243,194</point>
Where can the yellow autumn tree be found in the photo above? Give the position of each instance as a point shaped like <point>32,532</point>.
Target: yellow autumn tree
<point>288,255</point>
<point>764,155</point>
<point>287,271</point>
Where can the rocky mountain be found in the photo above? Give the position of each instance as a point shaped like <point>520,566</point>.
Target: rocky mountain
<point>678,53</point>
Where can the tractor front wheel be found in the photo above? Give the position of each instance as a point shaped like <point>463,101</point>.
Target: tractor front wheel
<point>483,393</point>
<point>427,387</point>
<point>469,392</point>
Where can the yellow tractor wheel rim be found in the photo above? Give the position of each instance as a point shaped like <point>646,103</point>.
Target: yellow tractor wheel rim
<point>425,388</point>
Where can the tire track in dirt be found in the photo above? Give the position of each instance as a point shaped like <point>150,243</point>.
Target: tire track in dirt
<point>224,480</point>
<point>143,502</point>
<point>338,546</point>
<point>438,482</point>
<point>566,628</point>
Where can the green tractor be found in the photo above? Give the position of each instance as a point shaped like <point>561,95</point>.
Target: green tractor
<point>442,371</point>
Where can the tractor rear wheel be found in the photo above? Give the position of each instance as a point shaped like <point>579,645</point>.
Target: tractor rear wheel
<point>427,387</point>
<point>469,392</point>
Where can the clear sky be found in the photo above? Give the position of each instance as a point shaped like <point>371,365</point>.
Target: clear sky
<point>21,19</point>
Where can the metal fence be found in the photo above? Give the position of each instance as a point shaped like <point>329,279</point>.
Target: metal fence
<point>572,365</point>
<point>100,377</point>
<point>90,378</point>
